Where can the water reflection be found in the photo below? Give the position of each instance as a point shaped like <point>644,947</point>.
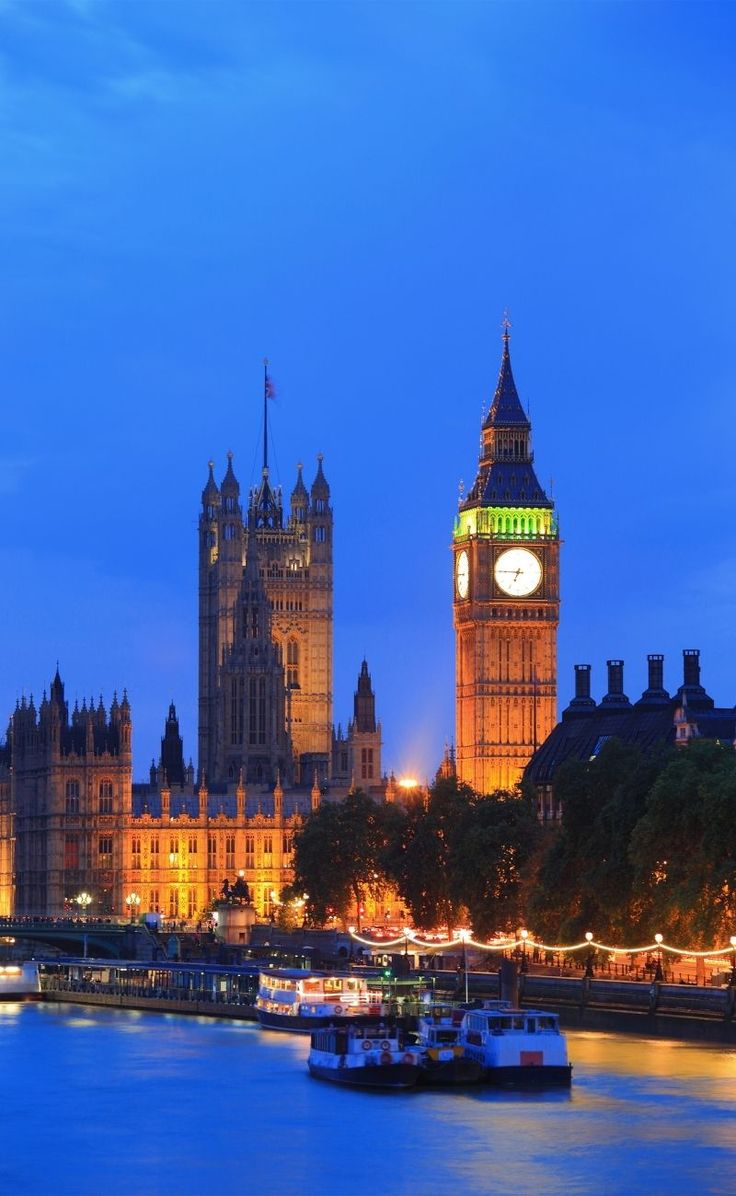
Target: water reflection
<point>139,1103</point>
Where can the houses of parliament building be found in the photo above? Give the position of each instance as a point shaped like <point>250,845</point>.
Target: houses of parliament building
<point>72,822</point>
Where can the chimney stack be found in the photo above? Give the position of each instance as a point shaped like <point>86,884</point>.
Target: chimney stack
<point>691,667</point>
<point>615,695</point>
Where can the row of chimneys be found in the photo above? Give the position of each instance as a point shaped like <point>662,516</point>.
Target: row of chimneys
<point>655,690</point>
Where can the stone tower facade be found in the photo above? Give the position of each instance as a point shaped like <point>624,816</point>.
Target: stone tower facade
<point>505,602</point>
<point>70,795</point>
<point>293,549</point>
<point>357,755</point>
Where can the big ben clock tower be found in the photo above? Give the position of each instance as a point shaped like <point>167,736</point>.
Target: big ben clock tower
<point>505,602</point>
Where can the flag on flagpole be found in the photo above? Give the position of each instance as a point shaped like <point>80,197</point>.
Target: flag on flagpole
<point>270,388</point>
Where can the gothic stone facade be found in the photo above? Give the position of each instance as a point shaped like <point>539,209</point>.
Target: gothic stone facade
<point>237,710</point>
<point>72,821</point>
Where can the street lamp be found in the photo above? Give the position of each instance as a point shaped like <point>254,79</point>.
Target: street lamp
<point>658,975</point>
<point>465,935</point>
<point>590,955</point>
<point>133,901</point>
<point>524,935</point>
<point>84,901</point>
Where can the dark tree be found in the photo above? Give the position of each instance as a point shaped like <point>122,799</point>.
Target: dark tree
<point>420,859</point>
<point>585,878</point>
<point>339,856</point>
<point>491,848</point>
<point>683,849</point>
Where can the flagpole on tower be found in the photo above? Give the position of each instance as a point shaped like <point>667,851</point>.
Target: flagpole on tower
<point>265,414</point>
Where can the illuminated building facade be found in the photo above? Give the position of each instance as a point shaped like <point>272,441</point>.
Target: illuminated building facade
<point>505,602</point>
<point>72,822</point>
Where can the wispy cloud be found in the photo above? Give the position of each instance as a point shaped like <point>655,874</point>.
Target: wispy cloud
<point>12,472</point>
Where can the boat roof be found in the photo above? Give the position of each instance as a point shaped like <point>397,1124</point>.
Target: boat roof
<point>292,973</point>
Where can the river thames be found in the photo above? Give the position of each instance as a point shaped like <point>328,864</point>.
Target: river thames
<point>108,1101</point>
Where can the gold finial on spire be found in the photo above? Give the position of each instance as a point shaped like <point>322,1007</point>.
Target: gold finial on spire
<point>506,324</point>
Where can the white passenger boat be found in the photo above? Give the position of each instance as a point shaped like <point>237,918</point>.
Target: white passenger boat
<point>301,1001</point>
<point>363,1056</point>
<point>19,982</point>
<point>517,1047</point>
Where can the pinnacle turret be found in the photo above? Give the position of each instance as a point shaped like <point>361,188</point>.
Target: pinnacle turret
<point>230,485</point>
<point>320,488</point>
<point>211,493</point>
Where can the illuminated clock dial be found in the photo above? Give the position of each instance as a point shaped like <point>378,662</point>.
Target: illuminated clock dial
<point>462,574</point>
<point>518,572</point>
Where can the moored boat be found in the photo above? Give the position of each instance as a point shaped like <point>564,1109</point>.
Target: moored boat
<point>443,1059</point>
<point>517,1047</point>
<point>300,1001</point>
<point>20,982</point>
<point>363,1056</point>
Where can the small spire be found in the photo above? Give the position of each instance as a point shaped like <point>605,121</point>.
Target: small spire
<point>506,409</point>
<point>230,482</point>
<point>320,487</point>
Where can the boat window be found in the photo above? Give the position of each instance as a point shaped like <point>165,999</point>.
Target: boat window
<point>547,1023</point>
<point>333,984</point>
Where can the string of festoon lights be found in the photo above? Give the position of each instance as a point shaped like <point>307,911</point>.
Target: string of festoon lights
<point>524,939</point>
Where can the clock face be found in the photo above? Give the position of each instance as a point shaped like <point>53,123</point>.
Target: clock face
<point>462,574</point>
<point>518,572</point>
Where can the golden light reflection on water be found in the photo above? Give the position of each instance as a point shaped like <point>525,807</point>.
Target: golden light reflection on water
<point>641,1112</point>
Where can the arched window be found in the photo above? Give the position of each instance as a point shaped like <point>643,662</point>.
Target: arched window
<point>105,797</point>
<point>292,664</point>
<point>72,797</point>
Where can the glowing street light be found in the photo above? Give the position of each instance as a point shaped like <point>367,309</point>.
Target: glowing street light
<point>465,935</point>
<point>133,901</point>
<point>589,956</point>
<point>658,975</point>
<point>523,935</point>
<point>83,900</point>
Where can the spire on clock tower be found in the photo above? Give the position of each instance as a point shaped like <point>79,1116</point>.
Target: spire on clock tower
<point>505,470</point>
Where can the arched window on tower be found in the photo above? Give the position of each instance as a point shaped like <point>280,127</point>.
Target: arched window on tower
<point>72,797</point>
<point>292,664</point>
<point>105,797</point>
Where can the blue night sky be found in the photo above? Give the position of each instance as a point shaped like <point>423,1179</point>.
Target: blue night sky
<point>358,191</point>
